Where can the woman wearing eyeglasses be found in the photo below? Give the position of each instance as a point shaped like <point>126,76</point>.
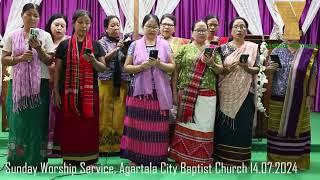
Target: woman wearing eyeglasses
<point>146,125</point>
<point>233,128</point>
<point>194,84</point>
<point>167,29</point>
<point>213,25</point>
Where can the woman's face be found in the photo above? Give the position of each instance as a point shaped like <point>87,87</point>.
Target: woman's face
<point>82,25</point>
<point>30,18</point>
<point>200,32</point>
<point>239,29</point>
<point>151,29</point>
<point>113,28</point>
<point>58,28</point>
<point>167,28</point>
<point>213,26</point>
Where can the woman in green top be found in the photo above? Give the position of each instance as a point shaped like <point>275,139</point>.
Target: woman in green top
<point>194,83</point>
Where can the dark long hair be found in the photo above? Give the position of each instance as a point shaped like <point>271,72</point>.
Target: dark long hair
<point>236,18</point>
<point>54,17</point>
<point>169,16</point>
<point>80,13</point>
<point>29,6</point>
<point>148,17</point>
<point>207,18</point>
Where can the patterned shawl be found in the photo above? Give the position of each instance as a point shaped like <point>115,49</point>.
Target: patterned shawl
<point>234,87</point>
<point>26,76</point>
<point>78,97</point>
<point>296,93</point>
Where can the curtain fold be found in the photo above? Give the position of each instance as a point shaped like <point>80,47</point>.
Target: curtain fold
<point>313,9</point>
<point>145,7</point>
<point>165,6</point>
<point>278,22</point>
<point>110,7</point>
<point>249,10</point>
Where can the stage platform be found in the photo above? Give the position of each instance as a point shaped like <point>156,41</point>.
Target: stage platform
<point>121,169</point>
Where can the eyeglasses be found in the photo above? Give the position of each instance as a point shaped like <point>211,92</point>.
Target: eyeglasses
<point>167,25</point>
<point>239,27</point>
<point>199,31</point>
<point>152,28</point>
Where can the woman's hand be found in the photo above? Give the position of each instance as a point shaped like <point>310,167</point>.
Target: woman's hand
<point>35,43</point>
<point>230,68</point>
<point>120,44</point>
<point>153,62</point>
<point>145,65</point>
<point>89,58</point>
<point>26,57</point>
<point>208,60</point>
<point>245,66</point>
<point>175,99</point>
<point>56,98</point>
<point>272,67</point>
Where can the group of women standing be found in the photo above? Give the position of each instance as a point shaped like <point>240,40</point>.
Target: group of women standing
<point>108,98</point>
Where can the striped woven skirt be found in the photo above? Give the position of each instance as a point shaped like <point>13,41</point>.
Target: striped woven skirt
<point>192,142</point>
<point>146,131</point>
<point>284,149</point>
<point>233,137</point>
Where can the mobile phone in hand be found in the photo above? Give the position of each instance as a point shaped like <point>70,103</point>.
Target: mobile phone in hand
<point>208,51</point>
<point>87,51</point>
<point>214,43</point>
<point>153,54</point>
<point>275,58</point>
<point>244,58</point>
<point>34,33</point>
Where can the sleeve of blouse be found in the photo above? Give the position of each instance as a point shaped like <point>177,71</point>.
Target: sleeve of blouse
<point>7,43</point>
<point>179,54</point>
<point>100,51</point>
<point>131,48</point>
<point>61,50</point>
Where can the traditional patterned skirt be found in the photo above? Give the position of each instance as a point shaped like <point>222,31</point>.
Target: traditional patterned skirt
<point>284,149</point>
<point>192,142</point>
<point>78,136</point>
<point>111,116</point>
<point>233,137</point>
<point>146,131</point>
<point>28,130</point>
